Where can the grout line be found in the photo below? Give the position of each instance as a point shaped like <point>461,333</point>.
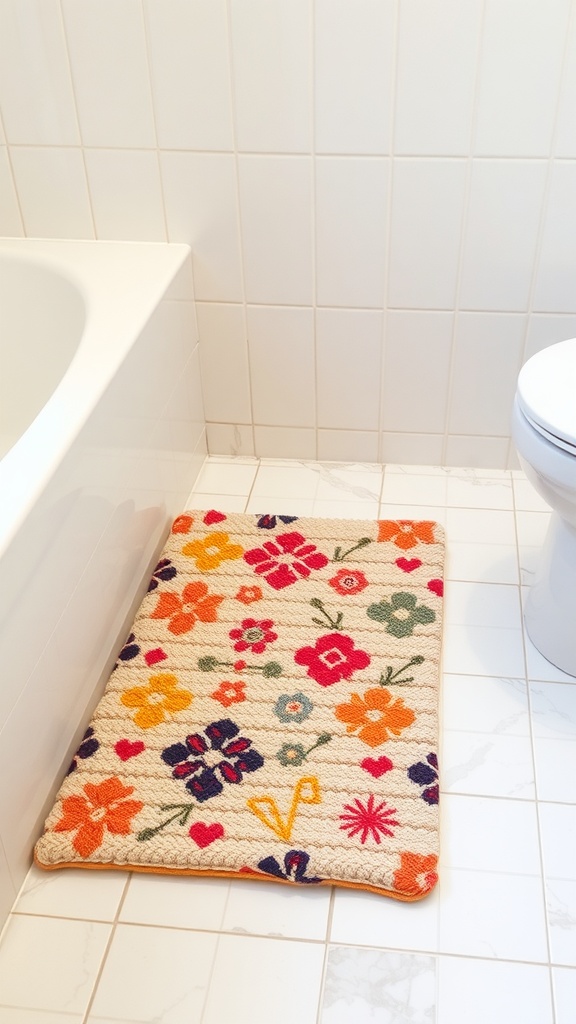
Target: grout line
<point>100,971</point>
<point>147,48</point>
<point>241,233</point>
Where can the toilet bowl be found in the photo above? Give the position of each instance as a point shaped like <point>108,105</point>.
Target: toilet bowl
<point>544,432</point>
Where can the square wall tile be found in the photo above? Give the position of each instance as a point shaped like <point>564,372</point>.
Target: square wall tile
<point>348,345</point>
<point>412,449</point>
<point>107,50</point>
<point>285,442</point>
<point>52,192</point>
<point>501,233</point>
<point>126,194</point>
<point>425,229</point>
<point>190,65</point>
<point>554,289</point>
<point>229,439</point>
<point>200,192</point>
<point>348,445</point>
<point>354,64</point>
<point>487,358</point>
<point>480,452</point>
<point>276,207</point>
<point>351,231</point>
<point>522,51</point>
<point>282,371</point>
<point>10,220</point>
<point>416,401</point>
<point>36,94</point>
<point>547,329</point>
<point>224,361</point>
<point>565,134</point>
<point>437,44</point>
<point>271,68</point>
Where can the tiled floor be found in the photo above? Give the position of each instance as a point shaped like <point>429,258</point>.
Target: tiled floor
<point>495,942</point>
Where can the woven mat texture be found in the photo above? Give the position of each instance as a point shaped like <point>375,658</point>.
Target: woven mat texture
<point>273,713</point>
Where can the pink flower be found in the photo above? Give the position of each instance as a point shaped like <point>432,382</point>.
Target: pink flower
<point>285,560</point>
<point>348,581</point>
<point>368,819</point>
<point>253,635</point>
<point>332,658</point>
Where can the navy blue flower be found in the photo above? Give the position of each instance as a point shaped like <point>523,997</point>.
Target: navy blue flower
<point>295,864</point>
<point>87,748</point>
<point>426,775</point>
<point>187,759</point>
<point>163,572</point>
<point>268,522</point>
<point>130,649</point>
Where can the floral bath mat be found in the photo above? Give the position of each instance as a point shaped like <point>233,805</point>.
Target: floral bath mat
<point>273,712</point>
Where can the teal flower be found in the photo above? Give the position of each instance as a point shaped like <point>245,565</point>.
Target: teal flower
<point>293,708</point>
<point>401,614</point>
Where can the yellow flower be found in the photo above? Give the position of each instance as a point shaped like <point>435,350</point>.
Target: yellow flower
<point>157,700</point>
<point>213,549</point>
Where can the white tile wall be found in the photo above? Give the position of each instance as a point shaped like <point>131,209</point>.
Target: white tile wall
<point>414,156</point>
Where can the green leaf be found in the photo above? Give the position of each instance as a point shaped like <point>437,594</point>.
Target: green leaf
<point>272,670</point>
<point>207,664</point>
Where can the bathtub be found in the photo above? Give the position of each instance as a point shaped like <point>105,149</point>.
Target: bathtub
<point>102,430</point>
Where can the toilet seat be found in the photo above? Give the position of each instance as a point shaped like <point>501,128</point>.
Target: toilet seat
<point>547,394</point>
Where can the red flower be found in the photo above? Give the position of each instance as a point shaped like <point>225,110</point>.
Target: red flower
<point>253,635</point>
<point>332,658</point>
<point>368,820</point>
<point>285,560</point>
<point>348,581</point>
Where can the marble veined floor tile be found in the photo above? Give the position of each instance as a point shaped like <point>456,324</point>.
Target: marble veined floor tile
<point>484,764</point>
<point>172,902</point>
<point>564,986</point>
<point>367,985</point>
<point>486,704</point>
<point>72,893</point>
<point>226,477</point>
<point>561,913</point>
<point>50,964</point>
<point>154,974</point>
<point>275,910</point>
<point>481,991</point>
<point>489,834</point>
<point>360,918</point>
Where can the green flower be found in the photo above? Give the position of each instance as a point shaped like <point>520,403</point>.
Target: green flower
<point>294,708</point>
<point>401,614</point>
<point>291,754</point>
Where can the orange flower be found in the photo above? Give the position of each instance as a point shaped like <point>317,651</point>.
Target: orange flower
<point>156,700</point>
<point>416,873</point>
<point>184,611</point>
<point>247,595</point>
<point>209,551</point>
<point>405,533</point>
<point>376,716</point>
<point>230,693</point>
<point>182,524</point>
<point>104,809</point>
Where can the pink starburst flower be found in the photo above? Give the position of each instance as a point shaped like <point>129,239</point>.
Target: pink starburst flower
<point>368,819</point>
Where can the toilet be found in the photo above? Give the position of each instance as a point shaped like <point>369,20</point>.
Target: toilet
<point>544,432</point>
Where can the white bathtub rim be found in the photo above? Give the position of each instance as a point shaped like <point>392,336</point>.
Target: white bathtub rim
<point>29,465</point>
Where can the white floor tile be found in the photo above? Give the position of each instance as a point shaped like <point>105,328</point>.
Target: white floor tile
<point>154,974</point>
<point>220,502</point>
<point>483,764</point>
<point>276,910</point>
<point>477,991</point>
<point>226,477</point>
<point>564,985</point>
<point>490,914</point>
<point>484,563</point>
<point>193,903</point>
<point>361,918</point>
<point>553,710</point>
<point>561,912</point>
<point>483,604</point>
<point>287,505</point>
<point>71,893</point>
<point>339,509</point>
<point>349,484</point>
<point>366,985</point>
<point>433,513</point>
<point>12,1015</point>
<point>484,704</point>
<point>277,481</point>
<point>50,964</point>
<point>526,498</point>
<point>558,837</point>
<point>480,650</point>
<point>538,667</point>
<point>555,761</point>
<point>480,526</point>
<point>263,980</point>
<point>485,834</point>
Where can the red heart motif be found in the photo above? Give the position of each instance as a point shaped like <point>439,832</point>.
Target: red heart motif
<point>408,564</point>
<point>152,657</point>
<point>125,749</point>
<point>214,517</point>
<point>203,834</point>
<point>436,586</point>
<point>376,766</point>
